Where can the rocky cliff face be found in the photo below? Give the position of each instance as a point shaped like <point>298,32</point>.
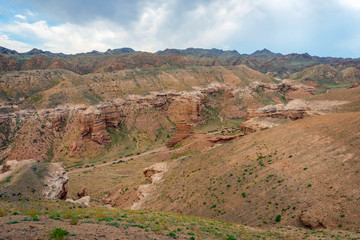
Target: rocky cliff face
<point>183,130</point>
<point>184,109</point>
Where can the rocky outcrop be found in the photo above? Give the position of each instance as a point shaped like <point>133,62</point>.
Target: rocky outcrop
<point>154,176</point>
<point>8,166</point>
<point>93,122</point>
<point>56,182</point>
<point>154,173</point>
<point>183,130</point>
<point>82,201</point>
<point>261,123</point>
<point>294,110</point>
<point>222,139</point>
<point>55,116</point>
<point>83,193</point>
<point>312,221</point>
<point>284,85</point>
<point>275,115</point>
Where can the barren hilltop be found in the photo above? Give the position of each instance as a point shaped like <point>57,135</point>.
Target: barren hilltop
<point>179,144</point>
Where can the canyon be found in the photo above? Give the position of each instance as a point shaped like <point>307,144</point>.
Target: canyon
<point>212,134</point>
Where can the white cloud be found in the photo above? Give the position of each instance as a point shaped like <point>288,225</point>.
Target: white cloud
<point>11,44</point>
<point>281,25</point>
<point>214,23</point>
<point>208,25</point>
<point>69,38</point>
<point>353,4</point>
<point>20,16</point>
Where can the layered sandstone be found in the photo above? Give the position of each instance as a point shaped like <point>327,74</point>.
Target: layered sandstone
<point>257,124</point>
<point>285,85</point>
<point>183,130</point>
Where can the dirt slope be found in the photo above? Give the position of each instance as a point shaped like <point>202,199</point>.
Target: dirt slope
<point>306,171</point>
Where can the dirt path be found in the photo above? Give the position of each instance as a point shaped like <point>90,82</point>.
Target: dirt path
<point>156,150</point>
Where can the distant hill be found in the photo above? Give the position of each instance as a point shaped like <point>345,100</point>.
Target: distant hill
<point>265,52</point>
<point>265,61</point>
<point>202,53</point>
<point>120,50</point>
<point>7,51</point>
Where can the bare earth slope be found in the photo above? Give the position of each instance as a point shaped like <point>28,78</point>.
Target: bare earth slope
<point>306,171</point>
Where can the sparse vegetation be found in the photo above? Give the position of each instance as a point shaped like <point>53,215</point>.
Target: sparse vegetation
<point>58,233</point>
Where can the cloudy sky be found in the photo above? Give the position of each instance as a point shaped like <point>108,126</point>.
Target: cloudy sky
<point>319,27</point>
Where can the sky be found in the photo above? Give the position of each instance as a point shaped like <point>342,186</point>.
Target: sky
<point>318,27</point>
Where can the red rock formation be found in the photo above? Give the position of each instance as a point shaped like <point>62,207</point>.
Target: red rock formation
<point>183,130</point>
<point>95,119</point>
<point>83,193</point>
<point>99,133</point>
<point>57,120</point>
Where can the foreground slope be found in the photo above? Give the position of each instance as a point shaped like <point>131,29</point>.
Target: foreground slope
<point>306,171</point>
<point>54,220</point>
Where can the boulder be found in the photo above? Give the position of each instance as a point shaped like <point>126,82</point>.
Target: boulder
<point>8,166</point>
<point>82,201</point>
<point>83,193</point>
<point>312,221</point>
<point>56,182</point>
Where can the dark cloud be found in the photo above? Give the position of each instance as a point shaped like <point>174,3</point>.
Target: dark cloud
<point>83,11</point>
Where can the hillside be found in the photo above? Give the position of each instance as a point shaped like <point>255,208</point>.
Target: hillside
<point>50,88</point>
<point>328,76</point>
<point>274,172</point>
<point>187,144</point>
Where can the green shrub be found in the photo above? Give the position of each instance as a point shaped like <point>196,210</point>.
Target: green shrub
<point>172,235</point>
<point>8,179</point>
<point>3,212</point>
<point>231,237</point>
<point>32,213</point>
<point>13,222</point>
<point>58,233</point>
<point>278,218</point>
<point>74,221</point>
<point>115,224</point>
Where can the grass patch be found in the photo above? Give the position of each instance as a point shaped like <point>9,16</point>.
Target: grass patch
<point>58,233</point>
